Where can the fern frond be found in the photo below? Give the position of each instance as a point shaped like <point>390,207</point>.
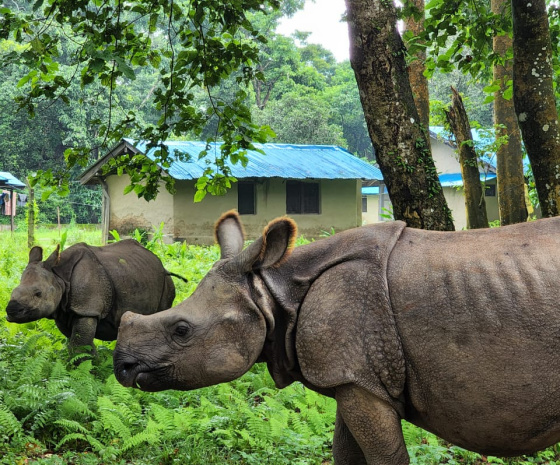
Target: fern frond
<point>70,437</point>
<point>118,393</point>
<point>164,418</point>
<point>41,419</point>
<point>35,368</point>
<point>148,436</point>
<point>9,424</point>
<point>258,428</point>
<point>71,425</point>
<point>112,423</point>
<point>95,443</point>
<point>72,407</point>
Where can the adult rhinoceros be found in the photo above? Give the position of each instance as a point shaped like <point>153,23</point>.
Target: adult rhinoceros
<point>87,289</point>
<point>457,332</point>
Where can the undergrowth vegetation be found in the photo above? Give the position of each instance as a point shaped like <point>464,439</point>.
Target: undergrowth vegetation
<point>54,411</point>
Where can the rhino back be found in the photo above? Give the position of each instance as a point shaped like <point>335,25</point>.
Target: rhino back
<point>140,282</point>
<point>105,282</point>
<point>479,319</point>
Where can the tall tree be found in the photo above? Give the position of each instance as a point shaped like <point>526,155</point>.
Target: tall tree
<point>475,38</point>
<point>534,100</point>
<point>414,27</point>
<point>377,55</point>
<point>475,202</point>
<point>509,157</point>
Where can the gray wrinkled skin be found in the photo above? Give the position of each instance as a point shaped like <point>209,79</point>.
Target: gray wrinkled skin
<point>87,289</point>
<point>457,332</point>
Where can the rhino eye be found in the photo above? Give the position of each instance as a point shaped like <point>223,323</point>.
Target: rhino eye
<point>38,293</point>
<point>182,330</point>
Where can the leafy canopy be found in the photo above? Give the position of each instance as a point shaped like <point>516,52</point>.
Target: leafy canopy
<point>190,44</point>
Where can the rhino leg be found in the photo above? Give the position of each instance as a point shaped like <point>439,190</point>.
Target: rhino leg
<point>374,425</point>
<point>83,332</point>
<point>346,450</point>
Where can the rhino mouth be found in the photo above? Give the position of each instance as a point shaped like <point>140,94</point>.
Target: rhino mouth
<point>132,373</point>
<point>16,313</point>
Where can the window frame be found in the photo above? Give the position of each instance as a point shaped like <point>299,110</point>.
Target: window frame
<point>242,203</point>
<point>299,196</point>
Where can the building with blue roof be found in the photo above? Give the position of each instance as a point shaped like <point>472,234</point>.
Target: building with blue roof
<point>319,186</point>
<point>8,184</point>
<point>376,205</point>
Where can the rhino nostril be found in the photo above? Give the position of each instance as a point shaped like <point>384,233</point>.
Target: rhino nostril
<point>129,366</point>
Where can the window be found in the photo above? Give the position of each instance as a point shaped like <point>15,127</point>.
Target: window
<point>364,204</point>
<point>302,197</point>
<point>490,190</point>
<point>246,198</point>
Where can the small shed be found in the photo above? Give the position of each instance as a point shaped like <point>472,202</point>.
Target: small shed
<point>8,196</point>
<point>319,186</point>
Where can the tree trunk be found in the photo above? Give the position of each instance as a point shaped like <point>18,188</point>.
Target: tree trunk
<point>475,203</point>
<point>416,67</point>
<point>534,99</point>
<point>509,157</point>
<point>30,215</point>
<point>401,144</point>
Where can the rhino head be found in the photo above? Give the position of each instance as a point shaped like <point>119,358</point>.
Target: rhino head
<point>39,292</point>
<point>218,333</point>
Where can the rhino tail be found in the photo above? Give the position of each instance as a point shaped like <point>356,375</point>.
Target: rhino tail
<point>170,273</point>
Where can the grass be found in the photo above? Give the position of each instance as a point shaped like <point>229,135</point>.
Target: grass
<point>53,412</point>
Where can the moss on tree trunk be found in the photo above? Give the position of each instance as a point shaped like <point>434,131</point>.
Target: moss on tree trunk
<point>401,144</point>
<point>509,157</point>
<point>534,99</point>
<point>475,202</point>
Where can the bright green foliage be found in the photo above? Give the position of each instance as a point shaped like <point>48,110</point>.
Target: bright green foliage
<point>190,45</point>
<point>54,412</point>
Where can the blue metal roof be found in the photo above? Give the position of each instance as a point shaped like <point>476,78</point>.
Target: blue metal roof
<point>279,160</point>
<point>446,180</point>
<point>455,179</point>
<point>371,190</point>
<point>8,180</point>
<point>480,138</point>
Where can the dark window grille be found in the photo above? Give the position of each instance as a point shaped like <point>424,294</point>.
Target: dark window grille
<point>364,204</point>
<point>490,190</point>
<point>246,198</point>
<point>302,197</point>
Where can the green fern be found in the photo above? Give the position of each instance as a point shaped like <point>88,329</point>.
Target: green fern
<point>150,435</point>
<point>9,424</point>
<point>71,425</point>
<point>70,437</point>
<point>110,420</point>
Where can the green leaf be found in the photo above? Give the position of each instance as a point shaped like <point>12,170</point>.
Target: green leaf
<point>200,194</point>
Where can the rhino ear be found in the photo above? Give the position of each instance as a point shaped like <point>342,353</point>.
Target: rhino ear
<point>35,254</point>
<point>279,238</point>
<point>272,248</point>
<point>53,259</point>
<point>229,234</point>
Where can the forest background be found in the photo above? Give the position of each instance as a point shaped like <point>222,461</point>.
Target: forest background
<point>307,97</point>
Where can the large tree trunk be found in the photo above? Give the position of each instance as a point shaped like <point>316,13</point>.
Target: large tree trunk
<point>475,203</point>
<point>416,67</point>
<point>509,157</point>
<point>401,144</point>
<point>534,99</point>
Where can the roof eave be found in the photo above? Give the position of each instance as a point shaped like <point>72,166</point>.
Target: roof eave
<point>93,174</point>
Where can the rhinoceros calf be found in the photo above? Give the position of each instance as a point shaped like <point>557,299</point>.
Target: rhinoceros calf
<point>456,332</point>
<point>87,289</point>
